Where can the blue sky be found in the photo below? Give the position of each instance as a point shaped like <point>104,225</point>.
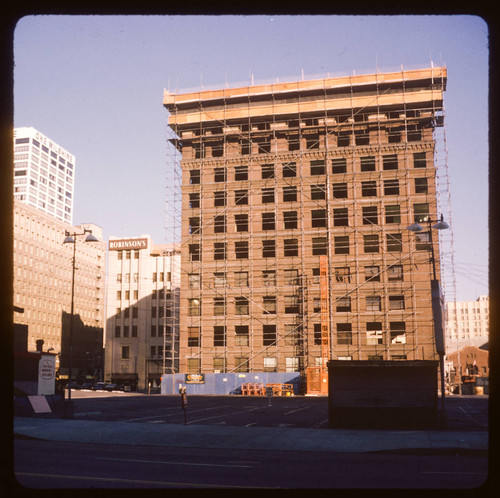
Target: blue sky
<point>94,85</point>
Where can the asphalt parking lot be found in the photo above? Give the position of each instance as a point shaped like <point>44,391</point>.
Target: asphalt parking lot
<point>462,412</point>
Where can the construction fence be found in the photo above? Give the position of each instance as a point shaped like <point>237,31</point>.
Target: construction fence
<point>249,383</point>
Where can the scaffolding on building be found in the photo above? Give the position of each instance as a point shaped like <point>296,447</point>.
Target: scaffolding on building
<point>173,218</point>
<point>333,158</point>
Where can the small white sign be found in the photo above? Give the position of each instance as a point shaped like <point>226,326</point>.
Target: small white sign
<point>39,404</point>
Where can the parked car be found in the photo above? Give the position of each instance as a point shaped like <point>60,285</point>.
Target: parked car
<point>88,385</point>
<point>99,386</point>
<point>110,387</point>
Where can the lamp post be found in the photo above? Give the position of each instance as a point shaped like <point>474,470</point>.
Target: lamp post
<point>71,238</point>
<point>437,311</point>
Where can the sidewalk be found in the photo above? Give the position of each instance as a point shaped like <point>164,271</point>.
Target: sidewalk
<point>251,438</point>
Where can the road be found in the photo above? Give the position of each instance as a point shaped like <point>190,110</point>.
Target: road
<point>43,464</point>
<point>79,465</point>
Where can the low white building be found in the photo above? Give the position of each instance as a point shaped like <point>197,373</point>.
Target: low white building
<point>142,317</point>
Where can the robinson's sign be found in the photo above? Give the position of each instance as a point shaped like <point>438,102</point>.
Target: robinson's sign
<point>120,244</point>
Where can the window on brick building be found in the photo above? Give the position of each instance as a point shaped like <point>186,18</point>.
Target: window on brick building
<point>194,307</point>
<point>398,332</point>
<point>373,303</point>
<point>269,335</point>
<point>341,217</point>
<point>318,192</point>
<point>393,214</point>
<point>220,198</point>
<point>341,244</point>
<point>318,167</point>
<point>269,278</point>
<point>318,218</point>
<point>241,221</point>
<point>219,335</point>
<point>241,197</point>
<point>369,188</point>
<point>267,195</point>
<point>194,336</point>
<point>268,248</point>
<point>390,162</point>
<point>343,304</point>
<point>290,194</point>
<point>374,333</point>
<point>394,242</point>
<point>194,200</point>
<point>220,250</point>
<point>241,173</point>
<point>367,163</point>
<point>290,220</point>
<point>220,175</point>
<point>395,273</point>
<point>319,246</point>
<point>220,223</point>
<point>194,176</point>
<point>268,222</point>
<point>290,247</point>
<point>391,187</point>
<point>339,165</point>
<point>269,305</point>
<point>339,190</point>
<point>241,335</point>
<point>396,302</point>
<point>267,171</point>
<point>241,249</point>
<point>370,215</point>
<point>289,170</point>
<point>344,333</point>
<point>241,306</point>
<point>421,185</point>
<point>371,243</point>
<point>194,252</point>
<point>219,306</point>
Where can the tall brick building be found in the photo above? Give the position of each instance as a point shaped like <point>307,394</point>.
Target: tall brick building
<point>276,176</point>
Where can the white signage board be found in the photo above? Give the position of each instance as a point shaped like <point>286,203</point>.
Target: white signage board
<point>46,375</point>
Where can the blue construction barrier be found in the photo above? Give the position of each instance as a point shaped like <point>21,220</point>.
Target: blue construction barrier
<point>225,383</point>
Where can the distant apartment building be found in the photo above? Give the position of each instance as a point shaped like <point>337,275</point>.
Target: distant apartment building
<point>276,176</point>
<point>42,288</point>
<point>467,323</point>
<point>44,174</point>
<point>142,312</point>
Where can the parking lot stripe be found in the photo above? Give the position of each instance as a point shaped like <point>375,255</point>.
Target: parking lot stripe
<point>297,410</point>
<point>224,415</point>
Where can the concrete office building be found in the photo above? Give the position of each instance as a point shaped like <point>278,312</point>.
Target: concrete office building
<point>142,312</point>
<point>42,287</point>
<point>467,323</point>
<point>274,177</point>
<point>44,174</point>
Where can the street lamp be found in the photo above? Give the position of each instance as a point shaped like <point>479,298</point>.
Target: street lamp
<point>71,239</point>
<point>437,305</point>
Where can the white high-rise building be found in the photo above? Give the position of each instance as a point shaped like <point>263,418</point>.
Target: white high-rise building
<point>44,174</point>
